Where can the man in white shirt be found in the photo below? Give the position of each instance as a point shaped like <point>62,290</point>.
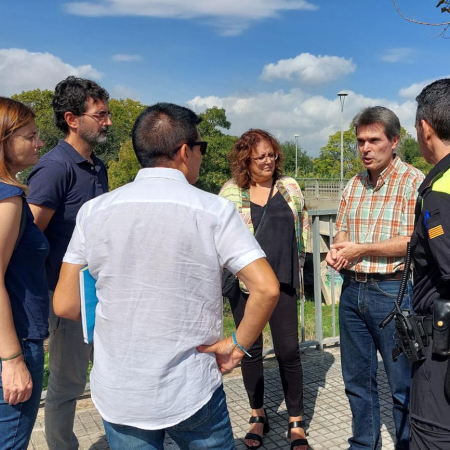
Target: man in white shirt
<point>157,248</point>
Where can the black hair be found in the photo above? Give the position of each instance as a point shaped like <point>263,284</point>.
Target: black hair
<point>71,95</point>
<point>160,130</point>
<point>433,105</point>
<point>379,114</point>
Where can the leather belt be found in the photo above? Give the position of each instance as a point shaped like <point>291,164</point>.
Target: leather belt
<point>361,277</point>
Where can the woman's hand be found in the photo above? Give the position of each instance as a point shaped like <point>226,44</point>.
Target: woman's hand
<point>16,379</point>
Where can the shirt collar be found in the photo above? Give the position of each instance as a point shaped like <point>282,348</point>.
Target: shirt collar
<point>440,167</point>
<point>72,153</point>
<point>161,172</point>
<point>386,173</point>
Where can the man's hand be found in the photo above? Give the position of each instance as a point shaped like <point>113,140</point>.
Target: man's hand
<point>348,251</point>
<point>226,361</point>
<point>334,260</point>
<point>17,383</point>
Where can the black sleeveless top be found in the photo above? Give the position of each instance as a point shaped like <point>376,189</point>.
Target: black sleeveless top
<point>277,238</point>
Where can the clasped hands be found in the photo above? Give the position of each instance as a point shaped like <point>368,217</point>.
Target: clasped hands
<point>343,255</point>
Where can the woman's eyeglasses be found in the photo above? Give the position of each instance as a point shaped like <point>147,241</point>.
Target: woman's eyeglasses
<point>260,159</point>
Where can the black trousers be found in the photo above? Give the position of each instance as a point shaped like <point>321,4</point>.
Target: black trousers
<point>284,328</point>
<point>429,408</point>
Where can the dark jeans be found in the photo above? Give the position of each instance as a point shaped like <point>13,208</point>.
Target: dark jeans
<point>16,422</point>
<point>362,308</point>
<point>284,328</point>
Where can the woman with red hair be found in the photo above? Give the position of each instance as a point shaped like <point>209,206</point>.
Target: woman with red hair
<point>273,207</point>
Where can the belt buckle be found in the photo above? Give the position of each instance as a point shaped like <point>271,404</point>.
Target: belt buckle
<point>361,277</point>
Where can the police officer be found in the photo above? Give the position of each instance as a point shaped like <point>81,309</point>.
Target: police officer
<point>430,249</point>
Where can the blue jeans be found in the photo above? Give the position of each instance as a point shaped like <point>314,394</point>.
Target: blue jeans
<point>16,422</point>
<point>209,428</point>
<point>362,308</point>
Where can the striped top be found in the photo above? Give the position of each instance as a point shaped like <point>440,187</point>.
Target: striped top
<point>376,213</point>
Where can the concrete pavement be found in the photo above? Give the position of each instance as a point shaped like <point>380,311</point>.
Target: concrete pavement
<point>327,412</point>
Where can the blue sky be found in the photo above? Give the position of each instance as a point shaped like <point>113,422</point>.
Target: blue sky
<point>272,64</point>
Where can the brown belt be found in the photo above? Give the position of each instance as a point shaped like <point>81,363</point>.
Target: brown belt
<point>365,277</point>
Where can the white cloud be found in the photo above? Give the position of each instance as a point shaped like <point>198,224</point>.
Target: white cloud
<point>309,69</point>
<point>126,58</point>
<point>230,17</point>
<point>285,114</point>
<point>412,91</point>
<point>21,70</point>
<point>395,55</point>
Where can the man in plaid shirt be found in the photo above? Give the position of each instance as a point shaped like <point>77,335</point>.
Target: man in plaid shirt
<point>374,223</point>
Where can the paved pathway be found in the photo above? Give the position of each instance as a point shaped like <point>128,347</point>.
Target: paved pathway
<point>327,413</point>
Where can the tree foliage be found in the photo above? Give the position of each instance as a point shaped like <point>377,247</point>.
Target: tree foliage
<point>124,114</point>
<point>123,170</point>
<point>215,170</point>
<point>304,162</point>
<point>328,164</point>
<point>41,103</point>
<point>408,149</point>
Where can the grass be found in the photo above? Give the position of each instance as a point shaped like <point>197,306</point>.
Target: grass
<point>229,328</point>
<point>310,324</point>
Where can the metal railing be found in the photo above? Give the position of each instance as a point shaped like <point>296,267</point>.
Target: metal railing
<point>326,216</point>
<point>322,188</point>
<point>316,217</point>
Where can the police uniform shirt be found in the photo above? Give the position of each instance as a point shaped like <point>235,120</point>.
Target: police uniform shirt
<point>430,242</point>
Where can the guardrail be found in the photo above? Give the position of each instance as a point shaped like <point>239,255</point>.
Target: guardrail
<point>326,217</point>
<point>322,188</point>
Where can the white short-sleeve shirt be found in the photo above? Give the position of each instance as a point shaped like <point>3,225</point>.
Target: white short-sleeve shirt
<point>157,247</point>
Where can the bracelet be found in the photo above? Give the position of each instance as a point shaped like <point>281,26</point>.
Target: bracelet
<point>12,357</point>
<point>239,346</point>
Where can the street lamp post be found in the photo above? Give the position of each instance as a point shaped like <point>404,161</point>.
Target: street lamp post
<point>296,152</point>
<point>342,96</point>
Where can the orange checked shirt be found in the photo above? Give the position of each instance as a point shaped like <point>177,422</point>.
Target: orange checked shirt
<point>376,213</point>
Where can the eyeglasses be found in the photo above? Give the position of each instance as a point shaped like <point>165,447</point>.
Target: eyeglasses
<point>203,146</point>
<point>35,137</point>
<point>260,159</point>
<point>99,117</point>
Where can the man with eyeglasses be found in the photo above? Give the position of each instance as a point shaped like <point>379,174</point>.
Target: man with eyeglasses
<point>158,265</point>
<point>63,180</point>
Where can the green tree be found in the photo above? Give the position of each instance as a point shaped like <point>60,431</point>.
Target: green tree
<point>123,170</point>
<point>41,103</point>
<point>408,150</point>
<point>215,168</point>
<point>304,162</point>
<point>124,114</point>
<point>328,164</point>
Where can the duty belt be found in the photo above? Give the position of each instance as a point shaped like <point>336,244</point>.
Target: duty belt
<point>362,277</point>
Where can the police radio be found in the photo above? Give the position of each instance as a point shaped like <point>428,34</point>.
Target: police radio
<point>409,328</point>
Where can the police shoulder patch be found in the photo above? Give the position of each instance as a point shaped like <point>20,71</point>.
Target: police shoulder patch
<point>435,232</point>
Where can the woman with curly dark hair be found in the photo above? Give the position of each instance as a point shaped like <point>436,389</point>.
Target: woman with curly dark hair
<point>272,206</point>
<point>23,284</point>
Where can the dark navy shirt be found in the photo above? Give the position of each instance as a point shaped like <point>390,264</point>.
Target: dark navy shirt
<point>25,278</point>
<point>64,180</point>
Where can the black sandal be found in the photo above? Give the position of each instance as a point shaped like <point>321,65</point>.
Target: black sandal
<point>297,424</point>
<point>254,436</point>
